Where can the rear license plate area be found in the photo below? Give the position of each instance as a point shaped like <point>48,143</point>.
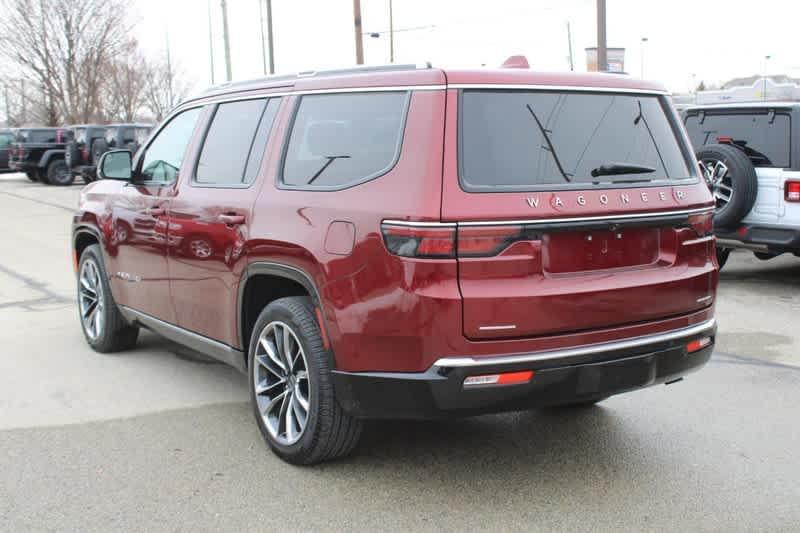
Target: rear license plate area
<point>589,250</point>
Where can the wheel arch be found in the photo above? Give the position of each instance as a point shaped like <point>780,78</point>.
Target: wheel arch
<point>263,282</point>
<point>83,237</point>
<point>49,156</point>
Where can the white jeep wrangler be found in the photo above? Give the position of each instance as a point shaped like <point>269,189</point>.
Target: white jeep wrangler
<point>750,156</point>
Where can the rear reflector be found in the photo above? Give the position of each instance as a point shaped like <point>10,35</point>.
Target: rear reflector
<point>792,191</point>
<point>698,344</point>
<point>506,378</point>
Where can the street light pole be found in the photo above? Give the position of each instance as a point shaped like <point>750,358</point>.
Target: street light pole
<point>644,40</point>
<point>764,92</point>
<point>210,43</point>
<point>263,37</point>
<point>391,34</point>
<point>602,52</point>
<point>269,38</point>
<point>226,40</point>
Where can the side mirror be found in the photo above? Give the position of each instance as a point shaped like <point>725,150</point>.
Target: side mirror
<point>115,165</point>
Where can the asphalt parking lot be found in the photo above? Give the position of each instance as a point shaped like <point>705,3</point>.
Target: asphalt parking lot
<point>154,439</point>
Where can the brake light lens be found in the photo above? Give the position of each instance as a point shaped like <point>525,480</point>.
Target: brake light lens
<point>85,154</point>
<point>418,241</point>
<point>485,241</point>
<point>792,191</point>
<point>702,223</point>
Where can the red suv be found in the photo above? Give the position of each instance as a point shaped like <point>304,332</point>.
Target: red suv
<point>408,242</point>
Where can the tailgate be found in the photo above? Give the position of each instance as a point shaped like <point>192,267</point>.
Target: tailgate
<point>575,211</point>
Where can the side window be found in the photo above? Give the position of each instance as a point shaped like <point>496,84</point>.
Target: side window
<point>164,155</point>
<point>339,140</point>
<point>5,140</point>
<point>235,142</point>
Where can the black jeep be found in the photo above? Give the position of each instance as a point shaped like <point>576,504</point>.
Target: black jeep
<point>39,153</point>
<point>90,141</point>
<point>6,139</point>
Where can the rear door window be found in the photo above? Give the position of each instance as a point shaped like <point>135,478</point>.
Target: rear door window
<point>235,142</point>
<point>39,136</point>
<point>765,137</point>
<point>529,140</point>
<point>5,140</point>
<point>339,140</point>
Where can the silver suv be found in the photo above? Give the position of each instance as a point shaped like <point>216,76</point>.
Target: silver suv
<point>750,156</point>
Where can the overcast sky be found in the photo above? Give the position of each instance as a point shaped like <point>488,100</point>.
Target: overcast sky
<point>716,40</point>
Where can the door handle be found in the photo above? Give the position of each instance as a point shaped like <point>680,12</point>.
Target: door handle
<point>231,219</point>
<point>156,211</point>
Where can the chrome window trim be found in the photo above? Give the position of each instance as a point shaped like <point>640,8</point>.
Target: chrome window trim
<point>466,362</point>
<point>575,88</point>
<point>542,221</point>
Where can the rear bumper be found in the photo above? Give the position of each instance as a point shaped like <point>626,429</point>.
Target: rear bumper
<point>760,238</point>
<point>560,377</point>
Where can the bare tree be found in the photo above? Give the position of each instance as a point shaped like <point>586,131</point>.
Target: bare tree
<point>124,92</point>
<point>165,87</point>
<point>63,46</point>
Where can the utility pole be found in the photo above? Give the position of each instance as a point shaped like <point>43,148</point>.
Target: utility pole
<point>764,92</point>
<point>357,27</point>
<point>210,43</point>
<point>569,43</point>
<point>602,51</point>
<point>269,38</point>
<point>263,37</point>
<point>8,105</point>
<point>226,40</point>
<point>24,103</point>
<point>391,33</point>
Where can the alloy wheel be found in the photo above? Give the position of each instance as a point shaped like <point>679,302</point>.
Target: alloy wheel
<point>719,181</point>
<point>280,379</point>
<point>91,299</point>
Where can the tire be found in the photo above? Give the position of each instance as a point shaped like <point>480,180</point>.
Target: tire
<point>99,147</point>
<point>32,175</point>
<point>722,256</point>
<point>105,329</point>
<point>58,173</point>
<point>73,153</point>
<point>328,432</point>
<point>732,179</point>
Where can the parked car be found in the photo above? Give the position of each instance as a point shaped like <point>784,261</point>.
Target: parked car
<point>752,165</point>
<point>91,141</point>
<point>39,153</point>
<point>406,242</point>
<point>6,138</point>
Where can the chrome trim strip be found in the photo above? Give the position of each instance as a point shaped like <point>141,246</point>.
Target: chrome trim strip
<point>733,243</point>
<point>698,241</point>
<point>497,328</point>
<point>218,350</point>
<point>461,362</point>
<point>411,224</point>
<point>576,88</point>
<point>602,218</point>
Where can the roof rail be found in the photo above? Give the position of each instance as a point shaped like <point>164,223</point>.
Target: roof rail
<point>289,78</point>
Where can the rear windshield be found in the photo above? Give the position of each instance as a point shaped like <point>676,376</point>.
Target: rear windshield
<point>765,137</point>
<point>37,136</point>
<point>524,140</point>
<point>80,135</point>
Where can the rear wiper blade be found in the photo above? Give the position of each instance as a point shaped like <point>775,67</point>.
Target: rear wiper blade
<point>550,148</point>
<point>613,169</point>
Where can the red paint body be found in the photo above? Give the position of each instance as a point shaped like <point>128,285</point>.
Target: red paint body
<point>388,313</point>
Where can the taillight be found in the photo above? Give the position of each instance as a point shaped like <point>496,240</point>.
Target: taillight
<point>419,241</point>
<point>702,223</point>
<point>444,241</point>
<point>484,241</point>
<point>792,191</point>
<point>85,154</point>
